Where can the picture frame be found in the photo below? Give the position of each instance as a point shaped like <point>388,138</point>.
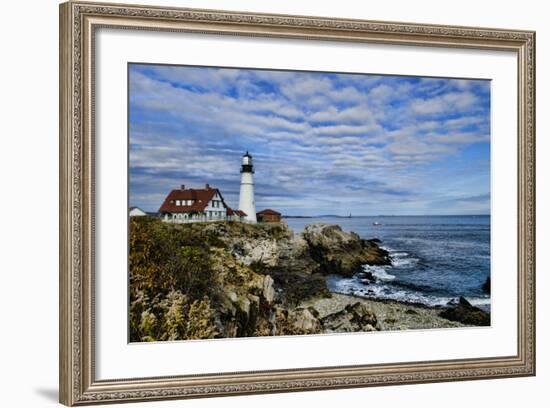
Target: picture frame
<point>79,23</point>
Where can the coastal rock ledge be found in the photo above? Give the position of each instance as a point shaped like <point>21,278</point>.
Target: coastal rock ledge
<point>340,252</point>
<point>227,279</point>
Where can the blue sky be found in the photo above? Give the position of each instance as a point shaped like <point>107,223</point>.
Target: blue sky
<point>322,143</point>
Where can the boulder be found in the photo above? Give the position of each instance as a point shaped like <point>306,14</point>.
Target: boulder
<point>340,252</point>
<point>294,287</point>
<point>486,287</point>
<point>307,320</point>
<point>285,322</point>
<point>354,318</point>
<point>268,291</point>
<point>465,313</point>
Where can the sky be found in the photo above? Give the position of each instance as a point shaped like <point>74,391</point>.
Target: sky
<point>322,143</point>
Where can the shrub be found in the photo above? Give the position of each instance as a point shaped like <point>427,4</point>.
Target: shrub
<point>148,325</point>
<point>201,321</point>
<point>170,275</point>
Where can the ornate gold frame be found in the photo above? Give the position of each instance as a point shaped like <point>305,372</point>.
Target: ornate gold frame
<point>78,22</point>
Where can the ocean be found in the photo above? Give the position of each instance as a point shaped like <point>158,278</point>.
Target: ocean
<point>435,259</point>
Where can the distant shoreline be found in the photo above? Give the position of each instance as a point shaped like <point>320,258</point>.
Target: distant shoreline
<point>381,215</point>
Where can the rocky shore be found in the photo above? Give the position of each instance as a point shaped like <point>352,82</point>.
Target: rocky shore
<point>390,315</point>
<point>210,280</point>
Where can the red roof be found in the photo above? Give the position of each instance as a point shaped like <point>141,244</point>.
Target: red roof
<point>231,212</point>
<point>201,198</point>
<point>268,211</point>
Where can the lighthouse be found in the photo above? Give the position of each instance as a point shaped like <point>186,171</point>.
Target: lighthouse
<point>246,197</point>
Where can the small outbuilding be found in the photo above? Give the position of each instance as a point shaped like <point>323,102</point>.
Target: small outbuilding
<point>268,216</point>
<point>137,212</point>
<point>235,215</point>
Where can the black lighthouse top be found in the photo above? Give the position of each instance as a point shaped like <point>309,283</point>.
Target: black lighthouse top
<point>247,164</point>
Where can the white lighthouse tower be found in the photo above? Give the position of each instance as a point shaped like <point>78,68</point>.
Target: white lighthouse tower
<point>246,197</point>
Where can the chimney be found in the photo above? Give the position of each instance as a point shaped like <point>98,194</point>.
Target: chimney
<point>207,186</point>
<point>182,187</point>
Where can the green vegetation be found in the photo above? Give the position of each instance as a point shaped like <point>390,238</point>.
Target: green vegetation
<point>172,283</point>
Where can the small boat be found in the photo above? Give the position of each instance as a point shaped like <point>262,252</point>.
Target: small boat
<point>377,224</point>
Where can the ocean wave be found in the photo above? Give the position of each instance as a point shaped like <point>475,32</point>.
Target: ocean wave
<point>348,286</point>
<point>383,290</point>
<point>379,272</point>
<point>400,262</point>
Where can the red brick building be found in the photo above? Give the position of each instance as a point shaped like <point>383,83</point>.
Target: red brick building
<point>268,216</point>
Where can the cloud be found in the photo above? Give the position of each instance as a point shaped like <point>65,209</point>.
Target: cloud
<point>352,143</point>
<point>450,102</point>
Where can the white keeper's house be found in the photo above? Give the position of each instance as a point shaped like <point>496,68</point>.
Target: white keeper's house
<point>195,205</point>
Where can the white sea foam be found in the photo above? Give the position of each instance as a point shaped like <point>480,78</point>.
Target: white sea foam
<point>481,301</point>
<point>354,286</point>
<point>397,262</point>
<point>401,258</point>
<point>379,272</point>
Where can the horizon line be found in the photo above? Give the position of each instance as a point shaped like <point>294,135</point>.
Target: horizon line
<point>386,215</point>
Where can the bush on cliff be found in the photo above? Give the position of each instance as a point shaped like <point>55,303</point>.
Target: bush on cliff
<point>174,317</point>
<point>172,282</point>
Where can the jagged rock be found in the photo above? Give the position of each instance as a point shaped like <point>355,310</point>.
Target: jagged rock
<point>465,313</point>
<point>243,304</point>
<point>268,291</point>
<point>355,317</point>
<point>340,252</point>
<point>295,321</point>
<point>486,287</point>
<point>367,277</point>
<point>294,287</point>
<point>298,262</point>
<point>260,250</point>
<point>305,319</point>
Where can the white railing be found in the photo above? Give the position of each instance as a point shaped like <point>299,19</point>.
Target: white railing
<point>191,219</point>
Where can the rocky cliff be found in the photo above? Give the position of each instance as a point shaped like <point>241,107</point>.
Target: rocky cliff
<point>219,280</point>
<point>232,279</point>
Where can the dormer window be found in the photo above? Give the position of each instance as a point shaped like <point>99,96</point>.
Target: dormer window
<point>178,202</point>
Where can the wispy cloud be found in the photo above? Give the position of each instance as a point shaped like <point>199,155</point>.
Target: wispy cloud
<point>322,142</point>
